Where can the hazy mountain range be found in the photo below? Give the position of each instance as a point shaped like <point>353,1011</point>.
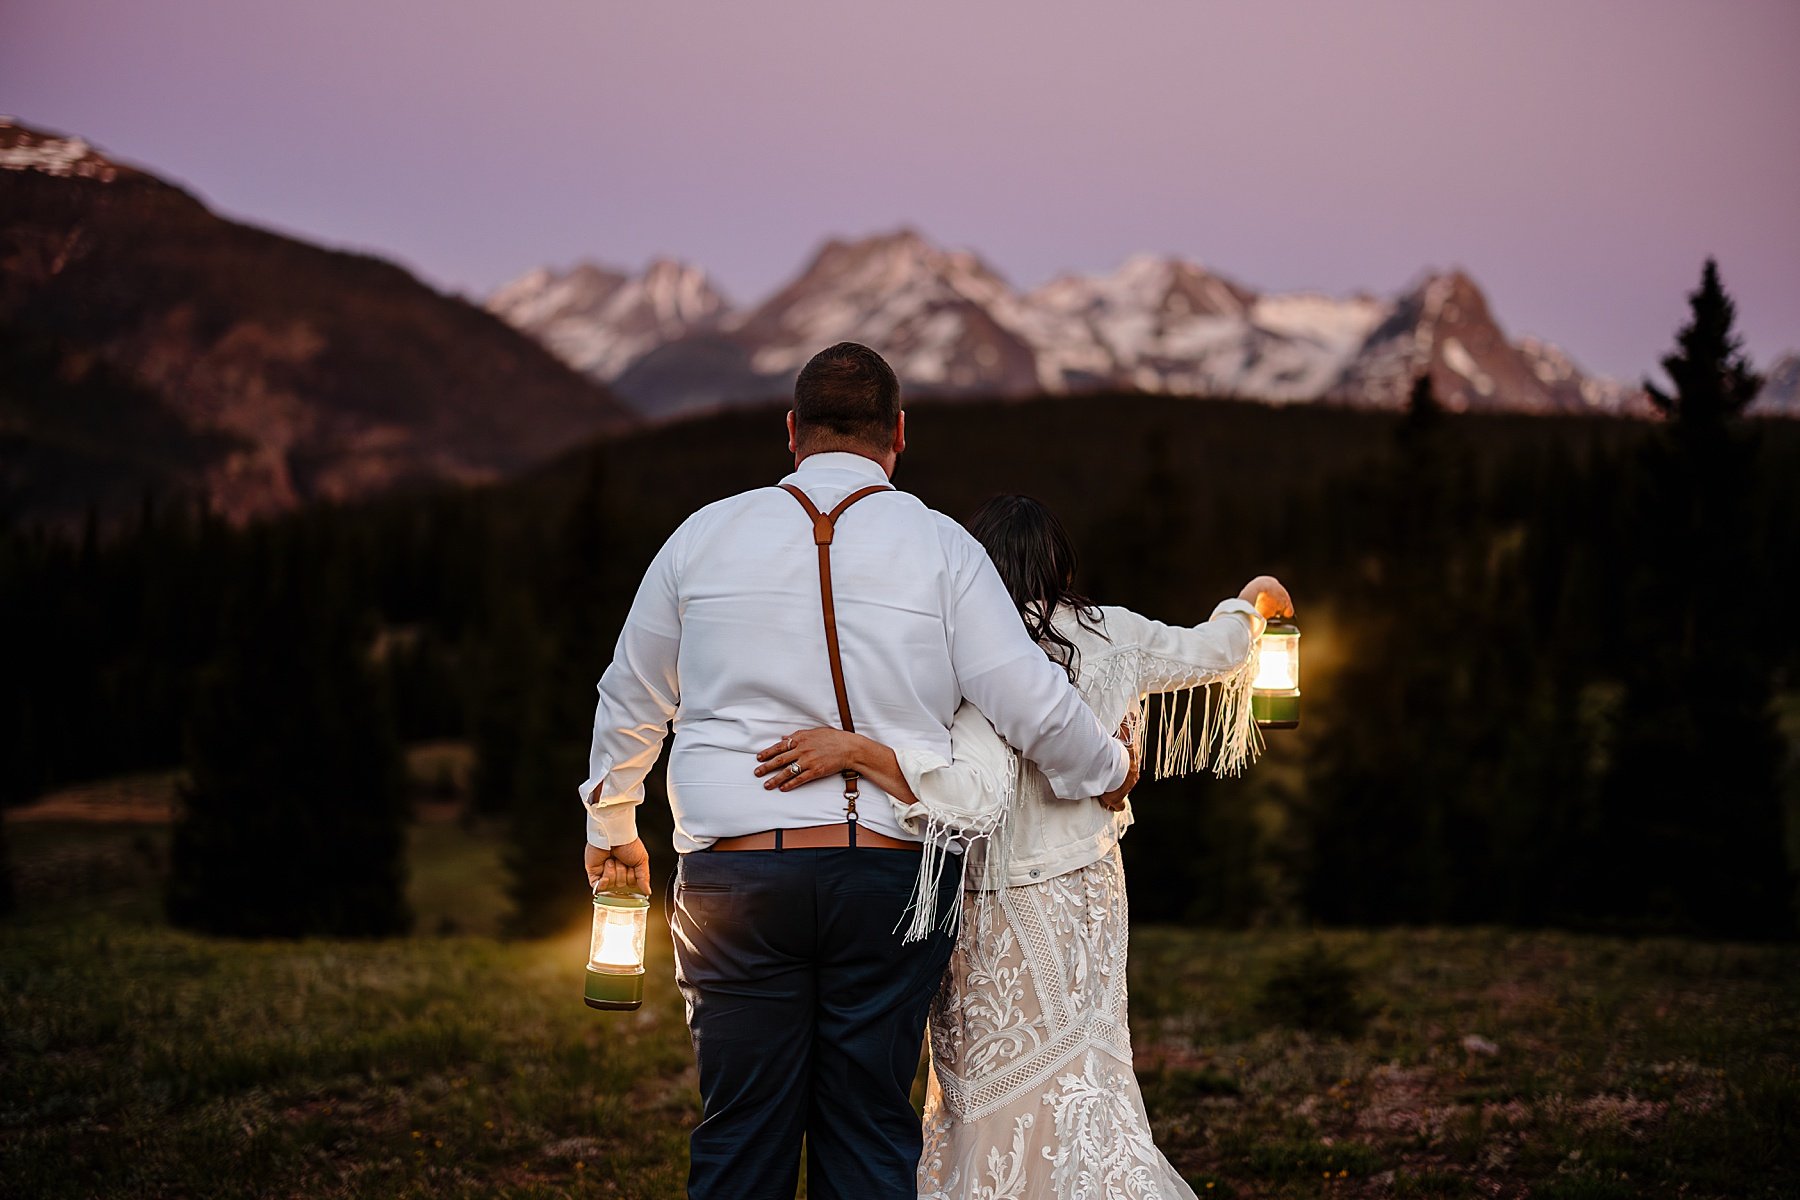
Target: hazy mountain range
<point>668,341</point>
<point>149,345</point>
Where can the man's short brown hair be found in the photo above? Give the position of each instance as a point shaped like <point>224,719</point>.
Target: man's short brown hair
<point>848,395</point>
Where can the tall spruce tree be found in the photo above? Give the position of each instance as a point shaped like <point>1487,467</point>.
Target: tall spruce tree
<point>1386,778</point>
<point>522,771</point>
<point>1712,379</point>
<point>1690,835</point>
<point>293,820</point>
<point>536,704</point>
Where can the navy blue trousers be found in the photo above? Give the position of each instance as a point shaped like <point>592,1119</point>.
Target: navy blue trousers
<point>807,1015</point>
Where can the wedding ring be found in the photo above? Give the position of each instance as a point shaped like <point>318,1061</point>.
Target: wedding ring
<point>793,768</point>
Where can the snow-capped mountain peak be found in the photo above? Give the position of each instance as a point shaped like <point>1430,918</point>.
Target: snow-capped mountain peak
<point>950,323</point>
<point>25,149</point>
<point>600,320</point>
<point>939,315</point>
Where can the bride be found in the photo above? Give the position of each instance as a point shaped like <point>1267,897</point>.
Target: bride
<point>1031,1092</point>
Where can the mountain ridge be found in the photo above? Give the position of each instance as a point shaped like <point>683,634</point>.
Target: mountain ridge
<point>952,325</point>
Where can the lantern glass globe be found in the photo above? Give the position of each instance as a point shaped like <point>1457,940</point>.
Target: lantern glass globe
<point>615,967</point>
<point>1275,692</point>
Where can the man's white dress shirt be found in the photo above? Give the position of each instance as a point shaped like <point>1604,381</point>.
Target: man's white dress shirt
<point>726,638</point>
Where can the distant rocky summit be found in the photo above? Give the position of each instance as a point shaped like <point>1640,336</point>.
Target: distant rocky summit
<point>148,345</point>
<point>1780,395</point>
<point>951,325</point>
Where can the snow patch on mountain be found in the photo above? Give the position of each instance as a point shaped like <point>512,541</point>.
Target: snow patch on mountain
<point>1780,395</point>
<point>1576,390</point>
<point>25,149</point>
<point>1457,359</point>
<point>600,321</point>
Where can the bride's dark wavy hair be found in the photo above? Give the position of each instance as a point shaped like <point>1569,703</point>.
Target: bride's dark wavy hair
<point>1036,560</point>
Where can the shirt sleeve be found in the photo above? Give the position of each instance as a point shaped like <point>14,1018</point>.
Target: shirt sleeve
<point>1174,657</point>
<point>638,696</point>
<point>1028,698</point>
<point>979,769</point>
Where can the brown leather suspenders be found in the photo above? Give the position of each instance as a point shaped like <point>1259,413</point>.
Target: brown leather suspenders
<point>824,526</point>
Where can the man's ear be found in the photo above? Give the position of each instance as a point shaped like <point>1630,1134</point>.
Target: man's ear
<point>900,433</point>
<point>790,425</point>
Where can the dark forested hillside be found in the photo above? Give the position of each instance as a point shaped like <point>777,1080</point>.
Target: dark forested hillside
<point>1466,585</point>
<point>149,345</point>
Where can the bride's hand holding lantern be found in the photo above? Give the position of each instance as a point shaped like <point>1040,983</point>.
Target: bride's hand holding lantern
<point>1275,693</point>
<point>1269,596</point>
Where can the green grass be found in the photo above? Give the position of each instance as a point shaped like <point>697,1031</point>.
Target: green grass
<point>1624,1067</point>
<point>142,1061</point>
<point>138,1061</point>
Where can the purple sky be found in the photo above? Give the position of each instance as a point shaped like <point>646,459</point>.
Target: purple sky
<point>1578,158</point>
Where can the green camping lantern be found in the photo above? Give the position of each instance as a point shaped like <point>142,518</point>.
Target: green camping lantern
<point>615,970</point>
<point>1275,693</point>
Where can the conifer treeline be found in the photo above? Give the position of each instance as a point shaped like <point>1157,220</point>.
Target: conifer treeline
<point>1543,658</point>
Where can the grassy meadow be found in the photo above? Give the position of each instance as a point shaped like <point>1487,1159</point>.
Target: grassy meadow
<point>138,1061</point>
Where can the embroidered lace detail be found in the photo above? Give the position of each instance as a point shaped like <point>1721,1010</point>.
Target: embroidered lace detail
<point>1103,1147</point>
<point>1031,1091</point>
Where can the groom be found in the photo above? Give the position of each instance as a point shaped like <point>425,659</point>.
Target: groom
<point>806,1010</point>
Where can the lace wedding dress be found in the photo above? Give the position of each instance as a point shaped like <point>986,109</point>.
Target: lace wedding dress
<point>1032,1092</point>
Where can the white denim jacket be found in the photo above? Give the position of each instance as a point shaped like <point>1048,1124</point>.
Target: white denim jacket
<point>1124,658</point>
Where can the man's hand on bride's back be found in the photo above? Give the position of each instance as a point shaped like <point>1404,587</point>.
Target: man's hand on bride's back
<point>1271,599</point>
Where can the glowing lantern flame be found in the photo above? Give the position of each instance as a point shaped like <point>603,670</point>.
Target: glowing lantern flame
<point>615,969</point>
<point>619,941</point>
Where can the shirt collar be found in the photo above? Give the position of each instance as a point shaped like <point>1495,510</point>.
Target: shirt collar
<point>842,460</point>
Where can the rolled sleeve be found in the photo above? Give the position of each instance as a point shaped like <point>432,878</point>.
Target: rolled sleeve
<point>976,779</point>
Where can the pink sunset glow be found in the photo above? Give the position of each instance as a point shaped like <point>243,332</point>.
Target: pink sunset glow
<point>1580,160</point>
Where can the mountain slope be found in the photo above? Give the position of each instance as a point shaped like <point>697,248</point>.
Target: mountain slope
<point>280,372</point>
<point>1780,395</point>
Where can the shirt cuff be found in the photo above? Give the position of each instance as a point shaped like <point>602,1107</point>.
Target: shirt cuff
<point>612,826</point>
<point>1244,608</point>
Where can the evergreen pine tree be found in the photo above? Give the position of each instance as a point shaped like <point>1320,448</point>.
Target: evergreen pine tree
<point>1388,765</point>
<point>546,726</point>
<point>521,770</point>
<point>507,721</point>
<point>1713,380</point>
<point>293,819</point>
<point>1423,411</point>
<point>1691,818</point>
<point>543,855</point>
